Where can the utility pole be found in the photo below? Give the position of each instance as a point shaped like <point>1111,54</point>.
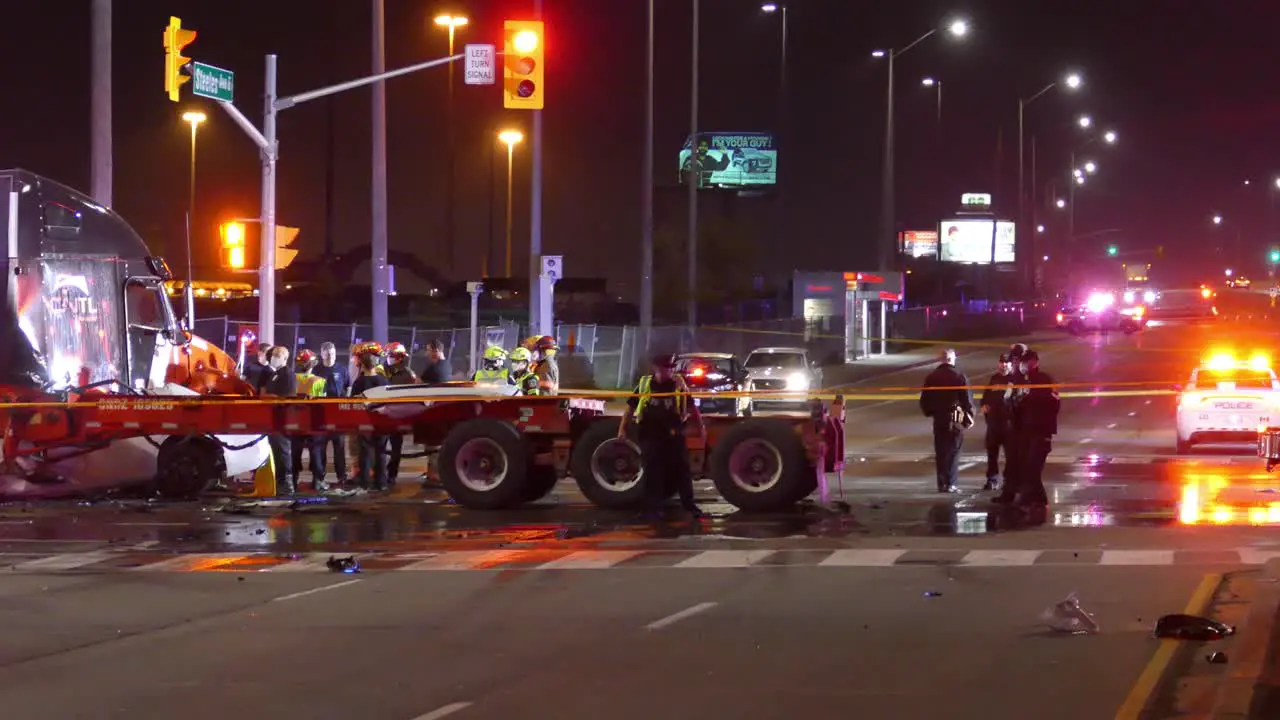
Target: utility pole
<point>100,169</point>
<point>536,325</point>
<point>695,179</point>
<point>646,196</point>
<point>378,237</point>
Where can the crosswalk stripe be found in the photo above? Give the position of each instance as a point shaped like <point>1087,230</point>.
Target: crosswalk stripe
<point>460,560</point>
<point>195,562</point>
<point>591,560</point>
<point>68,561</point>
<point>1136,557</point>
<point>1000,557</point>
<point>1257,557</point>
<point>725,559</point>
<point>312,562</point>
<point>862,558</point>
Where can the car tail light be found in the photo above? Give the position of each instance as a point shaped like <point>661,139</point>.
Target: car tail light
<point>1059,317</point>
<point>698,371</point>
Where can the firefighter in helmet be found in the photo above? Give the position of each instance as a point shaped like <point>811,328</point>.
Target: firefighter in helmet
<point>493,369</point>
<point>398,373</point>
<point>373,448</point>
<point>309,386</point>
<point>521,376</point>
<point>547,369</point>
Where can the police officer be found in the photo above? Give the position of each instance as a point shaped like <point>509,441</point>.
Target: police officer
<point>493,368</point>
<point>279,381</point>
<point>1037,410</point>
<point>660,406</point>
<point>525,381</point>
<point>547,369</point>
<point>945,398</point>
<point>996,410</point>
<point>337,383</point>
<point>309,385</point>
<point>398,373</point>
<point>1014,463</point>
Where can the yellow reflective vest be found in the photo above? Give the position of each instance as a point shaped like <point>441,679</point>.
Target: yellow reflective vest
<point>643,391</point>
<point>490,376</point>
<point>310,385</point>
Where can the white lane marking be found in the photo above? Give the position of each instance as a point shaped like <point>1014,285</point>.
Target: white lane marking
<point>1112,426</point>
<point>590,560</point>
<point>1086,441</point>
<point>863,558</point>
<point>1133,414</point>
<point>151,524</point>
<point>1136,557</point>
<point>311,562</point>
<point>462,560</point>
<point>965,466</point>
<point>1256,557</point>
<point>69,561</point>
<point>725,559</point>
<point>447,710</point>
<point>677,617</point>
<point>313,591</point>
<point>1001,558</point>
<point>1147,402</point>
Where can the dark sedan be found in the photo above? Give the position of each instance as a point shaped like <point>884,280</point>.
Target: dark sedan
<point>716,373</point>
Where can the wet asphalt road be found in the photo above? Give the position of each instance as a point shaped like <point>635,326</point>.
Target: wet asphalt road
<point>134,609</point>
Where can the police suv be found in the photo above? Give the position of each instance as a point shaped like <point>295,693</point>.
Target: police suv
<point>1226,401</point>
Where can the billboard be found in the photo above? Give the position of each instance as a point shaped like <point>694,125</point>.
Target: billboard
<point>731,160</point>
<point>969,240</point>
<point>918,243</point>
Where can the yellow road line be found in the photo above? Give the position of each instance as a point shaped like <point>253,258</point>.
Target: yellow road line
<point>1142,690</point>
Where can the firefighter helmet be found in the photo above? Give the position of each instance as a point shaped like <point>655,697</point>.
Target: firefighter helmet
<point>306,358</point>
<point>367,348</point>
<point>493,352</point>
<point>521,354</point>
<point>395,351</point>
<point>545,343</point>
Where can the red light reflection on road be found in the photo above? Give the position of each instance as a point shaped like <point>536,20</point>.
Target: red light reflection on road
<point>1219,500</point>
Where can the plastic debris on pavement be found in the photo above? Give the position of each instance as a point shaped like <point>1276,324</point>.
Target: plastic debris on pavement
<point>1191,627</point>
<point>933,594</point>
<point>1068,617</point>
<point>347,564</point>
<point>1216,658</point>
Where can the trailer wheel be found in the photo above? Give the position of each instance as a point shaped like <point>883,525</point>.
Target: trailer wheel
<point>483,464</point>
<point>607,468</point>
<point>541,481</point>
<point>760,465</point>
<point>185,467</point>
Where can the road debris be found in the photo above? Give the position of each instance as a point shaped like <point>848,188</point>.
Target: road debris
<point>1068,617</point>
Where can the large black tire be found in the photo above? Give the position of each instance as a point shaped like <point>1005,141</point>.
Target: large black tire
<point>607,469</point>
<point>186,467</point>
<point>760,465</point>
<point>541,480</point>
<point>484,463</point>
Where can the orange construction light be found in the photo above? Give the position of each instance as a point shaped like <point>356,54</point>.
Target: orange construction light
<point>233,245</point>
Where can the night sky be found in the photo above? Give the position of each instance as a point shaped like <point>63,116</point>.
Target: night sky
<point>1190,87</point>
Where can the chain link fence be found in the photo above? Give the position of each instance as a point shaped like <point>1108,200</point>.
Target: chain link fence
<point>612,356</point>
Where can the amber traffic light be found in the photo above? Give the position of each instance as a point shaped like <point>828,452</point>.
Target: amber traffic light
<point>233,245</point>
<point>523,50</point>
<point>175,39</point>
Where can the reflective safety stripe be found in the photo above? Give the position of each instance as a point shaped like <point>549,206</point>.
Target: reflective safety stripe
<point>643,390</point>
<point>525,387</point>
<point>490,375</point>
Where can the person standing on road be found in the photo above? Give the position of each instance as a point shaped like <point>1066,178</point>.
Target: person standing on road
<point>437,370</point>
<point>945,398</point>
<point>521,376</point>
<point>279,381</point>
<point>309,385</point>
<point>660,406</point>
<point>1038,413</point>
<point>373,448</point>
<point>398,373</point>
<point>996,410</point>
<point>547,369</point>
<point>493,371</point>
<point>337,383</point>
<point>255,368</point>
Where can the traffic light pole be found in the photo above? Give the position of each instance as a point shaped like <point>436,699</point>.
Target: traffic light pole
<point>270,150</point>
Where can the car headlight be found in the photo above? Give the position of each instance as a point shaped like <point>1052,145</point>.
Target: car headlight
<point>1129,296</point>
<point>1149,296</point>
<point>798,381</point>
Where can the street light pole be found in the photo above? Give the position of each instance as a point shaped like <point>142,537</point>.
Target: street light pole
<point>100,101</point>
<point>695,179</point>
<point>378,239</point>
<point>194,118</point>
<point>451,23</point>
<point>646,194</point>
<point>510,137</point>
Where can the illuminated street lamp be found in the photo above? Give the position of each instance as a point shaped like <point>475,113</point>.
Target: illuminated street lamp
<point>1091,167</point>
<point>451,23</point>
<point>1217,219</point>
<point>1110,137</point>
<point>936,84</point>
<point>1039,228</point>
<point>193,118</point>
<point>1061,203</point>
<point>956,28</point>
<point>1085,122</point>
<point>1071,81</point>
<point>510,138</point>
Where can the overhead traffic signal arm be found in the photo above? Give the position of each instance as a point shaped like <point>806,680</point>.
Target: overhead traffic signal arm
<point>175,65</point>
<point>523,51</point>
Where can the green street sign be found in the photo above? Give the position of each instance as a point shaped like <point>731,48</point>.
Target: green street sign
<point>212,82</point>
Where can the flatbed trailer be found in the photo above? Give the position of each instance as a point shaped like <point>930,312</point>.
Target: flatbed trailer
<point>490,452</point>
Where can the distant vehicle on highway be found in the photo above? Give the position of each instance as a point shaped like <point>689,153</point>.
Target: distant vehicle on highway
<point>785,373</point>
<point>1102,313</point>
<point>716,373</point>
<point>1226,401</point>
<point>1239,282</point>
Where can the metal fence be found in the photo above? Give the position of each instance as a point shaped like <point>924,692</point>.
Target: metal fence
<point>611,356</point>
